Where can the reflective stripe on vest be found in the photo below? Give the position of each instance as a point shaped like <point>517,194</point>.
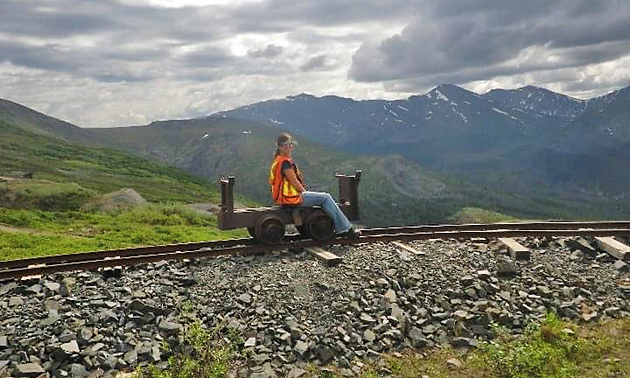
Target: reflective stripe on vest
<point>282,192</point>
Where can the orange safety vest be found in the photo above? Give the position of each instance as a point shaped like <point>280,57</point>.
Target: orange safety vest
<point>282,192</point>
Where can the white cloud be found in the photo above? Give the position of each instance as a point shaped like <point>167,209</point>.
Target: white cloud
<point>122,62</point>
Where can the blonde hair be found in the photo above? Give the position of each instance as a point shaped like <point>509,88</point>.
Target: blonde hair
<point>283,139</point>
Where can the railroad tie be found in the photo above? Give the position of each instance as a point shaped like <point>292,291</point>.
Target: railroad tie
<point>408,248</point>
<point>25,280</point>
<point>582,245</point>
<point>109,271</point>
<point>517,251</point>
<point>328,258</point>
<point>613,247</point>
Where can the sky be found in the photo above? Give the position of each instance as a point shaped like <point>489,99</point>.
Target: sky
<point>110,63</point>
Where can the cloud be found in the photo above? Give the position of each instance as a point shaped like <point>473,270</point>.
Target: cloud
<point>463,41</point>
<point>271,51</point>
<point>101,62</point>
<point>315,63</point>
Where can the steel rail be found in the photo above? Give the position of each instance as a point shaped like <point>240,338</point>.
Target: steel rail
<point>57,259</point>
<point>239,247</point>
<point>560,225</point>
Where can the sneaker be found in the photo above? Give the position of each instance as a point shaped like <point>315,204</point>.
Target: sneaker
<point>353,233</point>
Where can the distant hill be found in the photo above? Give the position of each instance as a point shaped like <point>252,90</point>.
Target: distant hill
<point>27,119</point>
<point>24,147</point>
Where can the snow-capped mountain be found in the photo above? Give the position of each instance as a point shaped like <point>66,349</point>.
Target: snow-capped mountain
<point>538,100</point>
<point>345,122</point>
<point>530,129</point>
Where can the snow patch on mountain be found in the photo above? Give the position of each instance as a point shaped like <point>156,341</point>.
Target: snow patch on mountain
<point>437,95</point>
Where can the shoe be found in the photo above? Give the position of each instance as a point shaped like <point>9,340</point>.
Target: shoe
<point>353,233</point>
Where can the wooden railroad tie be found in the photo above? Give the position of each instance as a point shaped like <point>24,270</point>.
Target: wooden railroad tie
<point>582,245</point>
<point>32,278</point>
<point>613,247</point>
<point>517,251</point>
<point>328,258</point>
<point>109,271</point>
<point>408,248</point>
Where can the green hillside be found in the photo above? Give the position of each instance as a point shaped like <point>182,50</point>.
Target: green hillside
<point>50,213</point>
<point>101,170</point>
<point>41,124</point>
<point>393,191</point>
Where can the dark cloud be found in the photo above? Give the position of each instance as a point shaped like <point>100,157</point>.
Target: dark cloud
<point>314,63</point>
<point>109,18</point>
<point>254,50</point>
<point>280,15</point>
<point>116,36</point>
<point>461,41</point>
<point>137,54</point>
<point>47,57</point>
<point>120,77</point>
<point>271,51</point>
<point>60,18</point>
<point>93,63</point>
<point>208,57</point>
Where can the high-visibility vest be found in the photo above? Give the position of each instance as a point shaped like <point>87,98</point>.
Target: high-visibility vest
<point>282,192</point>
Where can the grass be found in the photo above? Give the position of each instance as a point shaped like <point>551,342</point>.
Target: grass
<point>43,194</point>
<point>204,353</point>
<point>477,215</point>
<point>551,349</point>
<point>46,215</point>
<point>48,233</point>
<point>96,170</point>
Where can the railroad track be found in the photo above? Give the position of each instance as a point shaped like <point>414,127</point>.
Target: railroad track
<point>132,256</point>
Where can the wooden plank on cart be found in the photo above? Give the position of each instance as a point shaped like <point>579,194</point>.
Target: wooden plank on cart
<point>408,248</point>
<point>327,257</point>
<point>613,247</point>
<point>517,251</point>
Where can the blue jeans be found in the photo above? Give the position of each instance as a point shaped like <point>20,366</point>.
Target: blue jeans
<point>342,224</point>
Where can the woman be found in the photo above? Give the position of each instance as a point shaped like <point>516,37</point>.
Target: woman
<point>287,188</point>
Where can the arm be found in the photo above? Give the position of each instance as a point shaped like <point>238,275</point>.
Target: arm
<point>290,174</point>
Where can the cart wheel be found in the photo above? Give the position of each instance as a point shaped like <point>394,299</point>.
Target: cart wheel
<point>269,229</point>
<point>303,230</point>
<point>320,226</point>
<point>252,232</point>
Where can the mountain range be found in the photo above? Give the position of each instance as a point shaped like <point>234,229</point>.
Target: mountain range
<point>527,152</point>
<point>516,138</point>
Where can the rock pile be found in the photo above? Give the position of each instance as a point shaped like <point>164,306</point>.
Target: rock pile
<point>290,309</point>
<point>121,199</point>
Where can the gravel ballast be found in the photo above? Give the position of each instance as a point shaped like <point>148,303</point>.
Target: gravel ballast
<point>291,309</point>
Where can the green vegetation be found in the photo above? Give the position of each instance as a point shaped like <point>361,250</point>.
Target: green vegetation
<point>204,353</point>
<point>45,195</point>
<point>47,215</point>
<point>476,215</point>
<point>37,233</point>
<point>97,170</point>
<point>552,349</point>
<point>393,191</point>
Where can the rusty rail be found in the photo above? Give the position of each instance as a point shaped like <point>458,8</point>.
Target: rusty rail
<point>133,256</point>
<point>500,226</point>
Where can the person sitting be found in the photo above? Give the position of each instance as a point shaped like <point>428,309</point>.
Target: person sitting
<point>287,188</point>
